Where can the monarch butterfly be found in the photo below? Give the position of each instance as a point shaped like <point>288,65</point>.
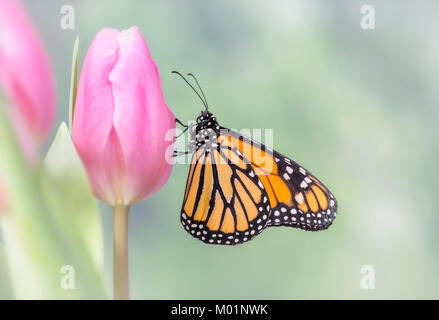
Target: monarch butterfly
<point>237,187</point>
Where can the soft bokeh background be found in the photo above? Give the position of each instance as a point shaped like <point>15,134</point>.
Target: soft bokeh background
<point>357,108</point>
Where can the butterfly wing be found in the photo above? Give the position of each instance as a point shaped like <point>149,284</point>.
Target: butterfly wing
<point>225,202</point>
<point>297,198</point>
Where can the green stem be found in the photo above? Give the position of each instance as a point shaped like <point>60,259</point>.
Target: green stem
<point>120,246</point>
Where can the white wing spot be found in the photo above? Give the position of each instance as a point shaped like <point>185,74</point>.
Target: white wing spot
<point>299,197</point>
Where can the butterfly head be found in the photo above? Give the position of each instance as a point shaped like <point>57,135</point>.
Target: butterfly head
<point>206,127</point>
<point>206,120</point>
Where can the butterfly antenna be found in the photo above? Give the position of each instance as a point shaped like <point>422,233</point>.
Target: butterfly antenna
<point>204,103</point>
<point>199,87</point>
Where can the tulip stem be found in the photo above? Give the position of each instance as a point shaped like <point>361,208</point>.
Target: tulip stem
<point>120,247</point>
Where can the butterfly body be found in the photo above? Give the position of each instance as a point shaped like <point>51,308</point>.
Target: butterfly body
<point>206,131</point>
<point>237,187</point>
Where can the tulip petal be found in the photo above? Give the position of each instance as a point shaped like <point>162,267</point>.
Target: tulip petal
<point>141,117</point>
<point>93,117</point>
<point>114,167</point>
<point>25,71</point>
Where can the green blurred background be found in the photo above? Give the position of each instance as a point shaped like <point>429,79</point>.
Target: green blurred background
<point>357,108</point>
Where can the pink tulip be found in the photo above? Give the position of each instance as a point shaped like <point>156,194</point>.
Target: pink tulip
<point>26,80</point>
<point>25,74</point>
<point>121,119</point>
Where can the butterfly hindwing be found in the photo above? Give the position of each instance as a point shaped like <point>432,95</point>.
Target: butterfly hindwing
<point>225,202</point>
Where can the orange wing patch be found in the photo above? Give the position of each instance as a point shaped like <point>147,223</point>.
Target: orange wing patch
<point>312,201</point>
<point>301,202</point>
<point>281,190</point>
<point>224,175</point>
<point>203,202</point>
<point>251,209</point>
<point>321,197</point>
<point>192,190</point>
<point>215,217</point>
<point>257,157</point>
<point>267,173</point>
<point>195,160</point>
<point>241,220</point>
<point>228,225</point>
<point>253,189</point>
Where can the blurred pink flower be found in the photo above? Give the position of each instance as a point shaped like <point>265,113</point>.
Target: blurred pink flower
<point>121,119</point>
<point>26,79</point>
<point>25,73</point>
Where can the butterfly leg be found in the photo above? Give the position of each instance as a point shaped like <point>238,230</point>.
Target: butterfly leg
<point>181,123</point>
<point>179,153</point>
<point>182,133</point>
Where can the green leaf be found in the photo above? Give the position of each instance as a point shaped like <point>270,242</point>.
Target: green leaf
<point>39,236</point>
<point>66,171</point>
<point>73,83</point>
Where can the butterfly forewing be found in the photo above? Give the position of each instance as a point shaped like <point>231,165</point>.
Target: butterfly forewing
<point>296,197</point>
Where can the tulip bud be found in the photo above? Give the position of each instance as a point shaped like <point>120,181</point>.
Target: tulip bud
<point>26,81</point>
<point>25,74</point>
<point>121,119</point>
